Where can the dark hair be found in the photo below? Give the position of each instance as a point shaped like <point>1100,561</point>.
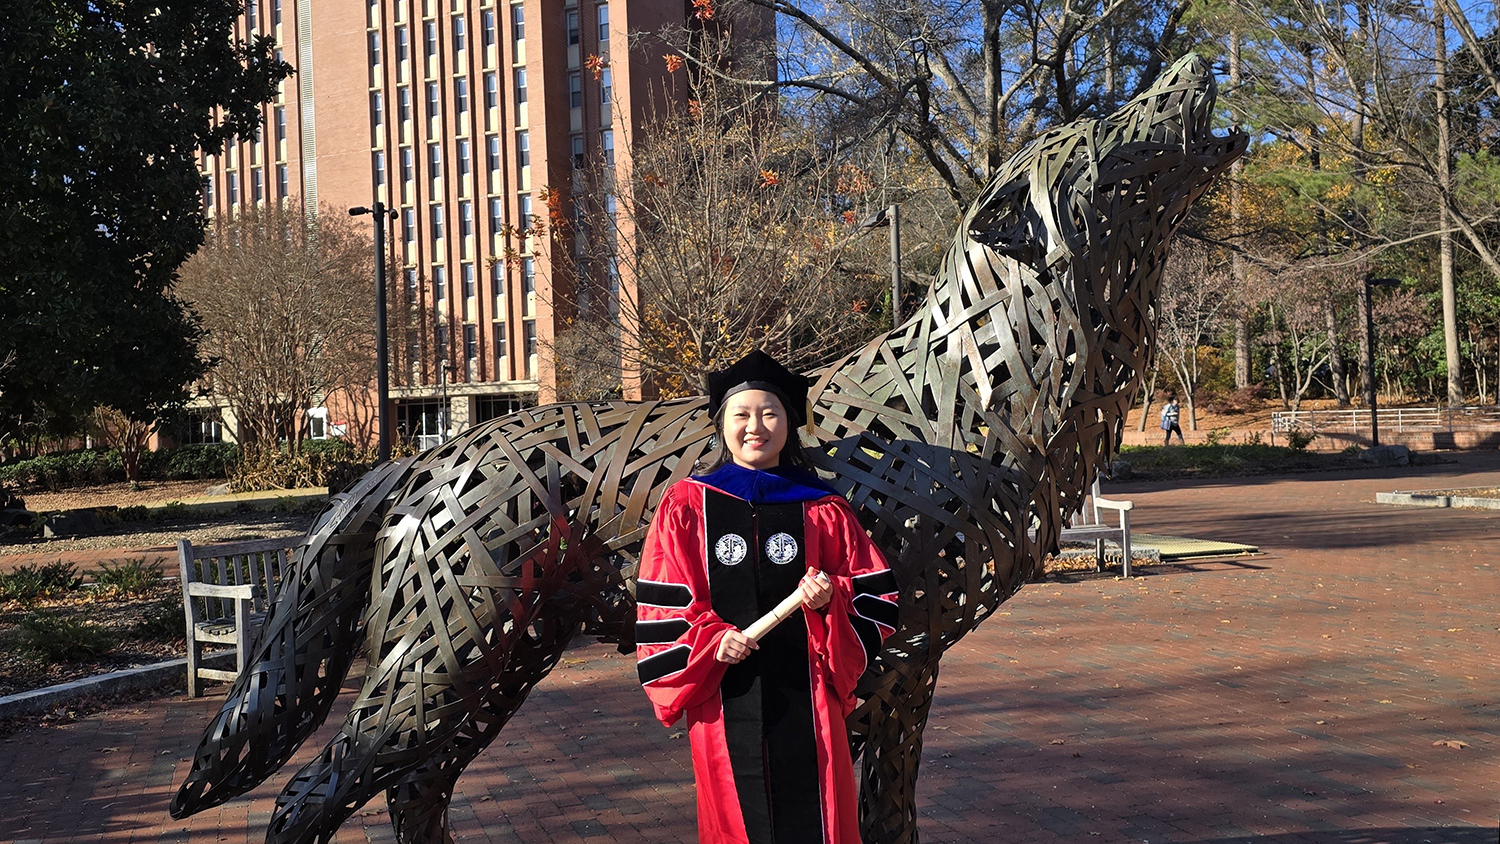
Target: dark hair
<point>792,454</point>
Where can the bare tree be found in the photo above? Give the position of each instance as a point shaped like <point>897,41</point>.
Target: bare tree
<point>126,435</point>
<point>1197,294</point>
<point>723,230</point>
<point>287,302</point>
<point>962,84</point>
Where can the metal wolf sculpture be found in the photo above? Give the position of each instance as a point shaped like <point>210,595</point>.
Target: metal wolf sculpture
<point>962,439</point>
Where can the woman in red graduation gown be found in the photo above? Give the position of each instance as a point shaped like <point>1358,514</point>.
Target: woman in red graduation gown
<point>766,720</point>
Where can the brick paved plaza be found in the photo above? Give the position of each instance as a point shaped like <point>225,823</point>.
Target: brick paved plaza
<point>1291,697</point>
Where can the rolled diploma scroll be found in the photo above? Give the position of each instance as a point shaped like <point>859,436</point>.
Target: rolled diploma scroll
<point>763,625</point>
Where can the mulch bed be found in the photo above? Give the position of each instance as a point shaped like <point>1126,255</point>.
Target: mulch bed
<point>123,616</point>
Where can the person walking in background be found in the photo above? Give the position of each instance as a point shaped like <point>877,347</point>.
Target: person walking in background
<point>1169,416</point>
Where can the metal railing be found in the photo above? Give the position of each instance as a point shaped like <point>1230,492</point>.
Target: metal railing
<point>1392,419</point>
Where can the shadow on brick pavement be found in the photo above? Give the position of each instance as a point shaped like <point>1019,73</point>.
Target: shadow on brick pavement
<point>1340,688</point>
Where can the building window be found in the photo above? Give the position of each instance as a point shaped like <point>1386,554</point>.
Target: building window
<point>607,146</point>
<point>460,37</point>
<point>406,164</point>
<point>280,120</point>
<point>379,169</point>
<point>487,27</point>
<point>283,188</point>
<point>491,90</point>
<point>429,32</point>
<point>403,103</point>
<point>470,282</point>
<point>377,114</point>
<point>529,330</point>
<point>520,88</point>
<point>461,94</point>
<point>501,349</point>
<point>441,342</point>
<point>497,219</point>
<point>603,22</point>
<point>440,283</point>
<point>403,44</point>
<point>517,23</point>
<point>465,165</point>
<point>409,224</point>
<point>524,209</point>
<point>410,276</point>
<point>374,49</point>
<point>434,161</point>
<point>492,143</point>
<point>234,189</point>
<point>606,88</point>
<point>471,350</point>
<point>437,228</point>
<point>317,423</point>
<point>528,276</point>
<point>275,12</point>
<point>575,90</point>
<point>466,218</point>
<point>208,193</point>
<point>573,33</point>
<point>578,159</point>
<point>523,149</point>
<point>434,106</point>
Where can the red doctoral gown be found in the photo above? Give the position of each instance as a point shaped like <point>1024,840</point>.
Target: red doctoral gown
<point>771,755</point>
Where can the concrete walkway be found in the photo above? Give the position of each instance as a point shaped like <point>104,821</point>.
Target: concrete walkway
<point>1304,695</point>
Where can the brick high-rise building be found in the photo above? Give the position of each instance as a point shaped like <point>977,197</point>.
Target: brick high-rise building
<point>458,114</point>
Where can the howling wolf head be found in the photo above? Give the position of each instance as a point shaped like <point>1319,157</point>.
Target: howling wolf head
<point>1073,230</point>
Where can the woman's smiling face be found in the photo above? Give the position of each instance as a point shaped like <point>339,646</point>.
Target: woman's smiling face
<point>755,428</point>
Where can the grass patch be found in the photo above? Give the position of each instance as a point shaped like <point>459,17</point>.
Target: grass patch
<point>1227,460</point>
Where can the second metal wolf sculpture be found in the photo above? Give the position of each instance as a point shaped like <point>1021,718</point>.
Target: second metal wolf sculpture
<point>962,439</point>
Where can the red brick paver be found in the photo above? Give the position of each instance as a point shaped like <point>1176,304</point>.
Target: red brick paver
<point>1287,698</point>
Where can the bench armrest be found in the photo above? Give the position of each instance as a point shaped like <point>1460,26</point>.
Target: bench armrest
<point>244,592</point>
<point>1111,504</point>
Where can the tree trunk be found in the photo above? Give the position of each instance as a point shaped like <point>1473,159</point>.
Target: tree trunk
<point>1445,241</point>
<point>1335,355</point>
<point>1150,393</point>
<point>1237,260</point>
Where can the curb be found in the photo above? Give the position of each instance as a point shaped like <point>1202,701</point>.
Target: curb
<point>128,679</point>
<point>1420,499</point>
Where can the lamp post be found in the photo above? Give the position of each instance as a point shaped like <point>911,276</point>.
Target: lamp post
<point>382,369</point>
<point>890,216</point>
<point>1367,348</point>
<point>443,411</point>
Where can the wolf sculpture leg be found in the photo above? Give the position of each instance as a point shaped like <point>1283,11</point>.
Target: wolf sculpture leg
<point>890,721</point>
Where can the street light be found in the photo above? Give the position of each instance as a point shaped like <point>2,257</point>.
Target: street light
<point>1367,348</point>
<point>382,369</point>
<point>443,411</point>
<point>890,216</point>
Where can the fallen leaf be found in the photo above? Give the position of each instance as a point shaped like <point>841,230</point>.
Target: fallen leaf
<point>1057,741</point>
<point>677,735</point>
<point>1455,629</point>
<point>1385,701</point>
<point>1453,743</point>
<point>1320,722</point>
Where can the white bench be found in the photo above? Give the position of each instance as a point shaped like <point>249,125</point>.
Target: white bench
<point>1090,525</point>
<point>226,590</point>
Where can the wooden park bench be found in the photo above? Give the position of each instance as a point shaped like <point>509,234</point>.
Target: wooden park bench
<point>227,589</point>
<point>1089,524</point>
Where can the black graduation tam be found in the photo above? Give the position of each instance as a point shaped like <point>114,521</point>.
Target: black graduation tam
<point>760,371</point>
